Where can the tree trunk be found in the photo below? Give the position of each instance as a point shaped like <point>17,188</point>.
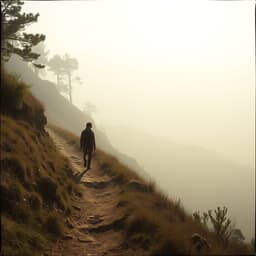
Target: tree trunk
<point>70,88</point>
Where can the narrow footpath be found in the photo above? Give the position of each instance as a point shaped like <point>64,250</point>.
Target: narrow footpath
<point>94,227</point>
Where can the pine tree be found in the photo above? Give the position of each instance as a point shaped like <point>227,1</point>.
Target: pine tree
<point>56,65</point>
<point>220,221</point>
<point>13,39</point>
<point>70,64</point>
<point>61,66</point>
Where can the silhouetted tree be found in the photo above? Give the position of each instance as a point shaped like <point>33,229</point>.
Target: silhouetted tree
<point>56,65</point>
<point>89,108</point>
<point>70,65</point>
<point>220,221</point>
<point>13,41</point>
<point>43,58</point>
<point>61,66</point>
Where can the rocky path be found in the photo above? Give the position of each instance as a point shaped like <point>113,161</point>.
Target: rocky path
<point>95,224</point>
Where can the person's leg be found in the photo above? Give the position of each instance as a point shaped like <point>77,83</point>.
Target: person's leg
<point>89,158</point>
<point>85,158</point>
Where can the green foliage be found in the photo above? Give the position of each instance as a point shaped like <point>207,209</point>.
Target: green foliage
<point>12,40</point>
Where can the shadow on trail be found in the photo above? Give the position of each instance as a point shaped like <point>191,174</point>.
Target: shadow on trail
<point>78,176</point>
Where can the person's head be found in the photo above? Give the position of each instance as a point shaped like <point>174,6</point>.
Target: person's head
<point>89,125</point>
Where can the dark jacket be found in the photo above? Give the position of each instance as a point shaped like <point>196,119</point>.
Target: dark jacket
<point>87,139</point>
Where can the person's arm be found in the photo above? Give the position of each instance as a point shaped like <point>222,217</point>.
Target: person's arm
<point>94,144</point>
<point>81,140</point>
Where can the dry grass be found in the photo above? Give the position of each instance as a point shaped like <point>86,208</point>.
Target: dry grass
<point>35,178</point>
<point>156,223</point>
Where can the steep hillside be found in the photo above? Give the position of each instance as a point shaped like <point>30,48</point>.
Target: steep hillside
<point>60,112</point>
<point>132,216</point>
<point>203,178</point>
<point>36,180</point>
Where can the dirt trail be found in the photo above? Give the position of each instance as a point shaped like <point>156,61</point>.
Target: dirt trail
<point>94,226</point>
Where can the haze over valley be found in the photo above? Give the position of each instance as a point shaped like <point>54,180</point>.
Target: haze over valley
<point>168,84</point>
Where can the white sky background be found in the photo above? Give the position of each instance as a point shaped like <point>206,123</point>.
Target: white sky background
<point>182,70</point>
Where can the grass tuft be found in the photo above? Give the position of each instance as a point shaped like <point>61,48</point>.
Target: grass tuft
<point>54,225</point>
<point>47,188</point>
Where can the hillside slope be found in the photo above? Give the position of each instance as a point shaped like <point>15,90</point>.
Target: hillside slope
<point>121,214</point>
<point>203,178</point>
<point>60,112</point>
<point>36,180</point>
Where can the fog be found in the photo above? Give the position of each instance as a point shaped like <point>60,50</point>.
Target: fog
<point>171,72</point>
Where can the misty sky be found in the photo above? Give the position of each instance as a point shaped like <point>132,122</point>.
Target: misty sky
<point>182,70</point>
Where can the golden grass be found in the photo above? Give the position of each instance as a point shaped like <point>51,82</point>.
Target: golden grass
<point>156,222</point>
<point>35,180</point>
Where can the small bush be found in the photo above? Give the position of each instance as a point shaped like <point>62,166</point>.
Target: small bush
<point>54,225</point>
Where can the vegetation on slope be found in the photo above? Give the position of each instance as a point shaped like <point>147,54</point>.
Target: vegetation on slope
<point>36,181</point>
<point>156,223</point>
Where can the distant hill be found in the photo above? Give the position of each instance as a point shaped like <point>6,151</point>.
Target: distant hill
<point>202,178</point>
<point>60,112</point>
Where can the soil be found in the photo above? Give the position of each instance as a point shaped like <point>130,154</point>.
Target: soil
<point>95,227</point>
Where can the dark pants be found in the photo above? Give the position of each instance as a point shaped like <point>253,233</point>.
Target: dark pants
<point>88,153</point>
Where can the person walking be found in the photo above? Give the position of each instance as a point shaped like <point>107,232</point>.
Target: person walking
<point>87,144</point>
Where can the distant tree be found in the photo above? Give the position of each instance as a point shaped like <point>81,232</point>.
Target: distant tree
<point>70,65</point>
<point>221,224</point>
<point>220,221</point>
<point>64,66</point>
<point>13,40</point>
<point>89,108</point>
<point>43,58</point>
<point>56,65</point>
<point>201,219</point>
